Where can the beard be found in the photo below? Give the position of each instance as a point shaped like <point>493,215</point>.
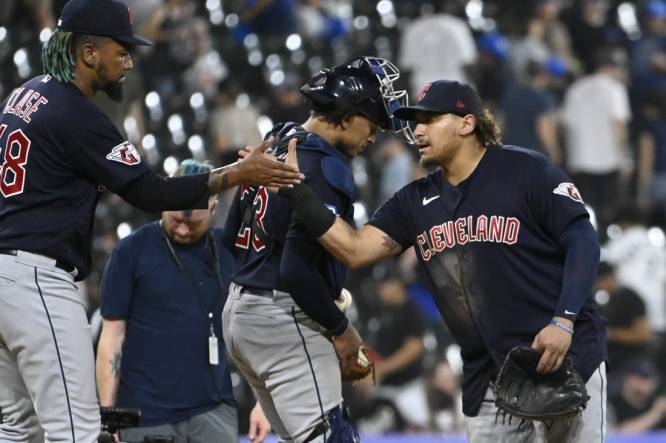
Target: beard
<point>114,90</point>
<point>428,162</point>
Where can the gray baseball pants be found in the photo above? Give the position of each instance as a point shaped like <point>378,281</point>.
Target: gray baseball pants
<point>589,427</point>
<point>47,368</point>
<point>290,365</point>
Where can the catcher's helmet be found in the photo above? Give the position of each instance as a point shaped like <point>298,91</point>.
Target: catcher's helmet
<point>363,85</point>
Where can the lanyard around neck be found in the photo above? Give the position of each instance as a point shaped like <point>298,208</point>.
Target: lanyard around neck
<point>186,272</point>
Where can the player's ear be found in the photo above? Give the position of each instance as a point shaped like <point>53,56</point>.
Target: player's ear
<point>467,124</point>
<point>346,121</point>
<point>89,54</point>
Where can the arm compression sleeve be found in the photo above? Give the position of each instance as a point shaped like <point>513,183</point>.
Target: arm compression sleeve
<point>153,193</point>
<point>316,217</point>
<point>581,247</point>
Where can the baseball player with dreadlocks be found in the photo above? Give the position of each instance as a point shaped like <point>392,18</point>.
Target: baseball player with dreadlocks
<point>509,251</point>
<point>281,325</point>
<point>57,153</point>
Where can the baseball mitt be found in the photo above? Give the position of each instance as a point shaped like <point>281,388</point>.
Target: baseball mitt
<point>356,369</point>
<point>524,393</point>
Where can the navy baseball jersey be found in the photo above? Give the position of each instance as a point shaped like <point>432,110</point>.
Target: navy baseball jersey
<point>58,151</point>
<point>262,220</point>
<point>489,248</point>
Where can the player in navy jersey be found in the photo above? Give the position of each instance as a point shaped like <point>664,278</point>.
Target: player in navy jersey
<point>57,153</point>
<point>281,325</point>
<point>509,251</point>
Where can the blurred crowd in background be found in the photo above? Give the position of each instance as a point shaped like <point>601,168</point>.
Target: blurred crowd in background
<point>583,81</point>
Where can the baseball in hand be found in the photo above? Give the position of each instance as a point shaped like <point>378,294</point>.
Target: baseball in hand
<point>344,301</point>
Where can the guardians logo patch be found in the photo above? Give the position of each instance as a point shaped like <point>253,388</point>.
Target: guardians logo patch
<point>124,153</point>
<point>568,190</point>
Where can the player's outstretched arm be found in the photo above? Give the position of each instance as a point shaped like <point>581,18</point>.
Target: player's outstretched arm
<point>255,168</point>
<point>355,248</point>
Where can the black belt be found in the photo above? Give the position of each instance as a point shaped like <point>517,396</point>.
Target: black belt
<point>59,263</point>
<point>257,291</point>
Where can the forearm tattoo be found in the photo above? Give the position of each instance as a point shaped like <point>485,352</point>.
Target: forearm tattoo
<point>218,182</point>
<point>115,364</point>
<point>391,244</point>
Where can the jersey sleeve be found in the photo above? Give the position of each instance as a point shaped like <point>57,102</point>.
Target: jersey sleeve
<point>100,153</point>
<point>390,218</point>
<point>117,288</point>
<point>553,199</point>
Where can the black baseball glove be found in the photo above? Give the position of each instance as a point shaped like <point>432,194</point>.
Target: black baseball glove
<point>524,393</point>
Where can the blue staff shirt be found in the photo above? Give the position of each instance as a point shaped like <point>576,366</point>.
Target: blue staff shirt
<point>165,370</point>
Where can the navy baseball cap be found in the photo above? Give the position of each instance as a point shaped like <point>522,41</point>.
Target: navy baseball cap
<point>444,97</point>
<point>108,18</point>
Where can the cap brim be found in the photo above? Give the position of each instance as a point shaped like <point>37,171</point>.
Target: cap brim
<point>409,112</point>
<point>133,40</point>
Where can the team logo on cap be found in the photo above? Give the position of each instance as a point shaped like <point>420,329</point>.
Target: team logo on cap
<point>460,104</point>
<point>568,190</point>
<point>124,153</point>
<point>423,92</point>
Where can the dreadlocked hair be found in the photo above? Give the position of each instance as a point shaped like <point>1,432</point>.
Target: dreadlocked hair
<point>58,56</point>
<point>487,130</point>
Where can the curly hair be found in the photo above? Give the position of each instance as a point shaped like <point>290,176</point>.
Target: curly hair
<point>487,129</point>
<point>58,56</point>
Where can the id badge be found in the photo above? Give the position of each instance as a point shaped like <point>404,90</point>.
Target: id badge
<point>213,357</point>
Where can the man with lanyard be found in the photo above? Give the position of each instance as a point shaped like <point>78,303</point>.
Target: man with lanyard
<point>161,347</point>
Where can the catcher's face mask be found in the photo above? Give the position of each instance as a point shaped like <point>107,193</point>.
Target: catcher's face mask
<point>365,86</point>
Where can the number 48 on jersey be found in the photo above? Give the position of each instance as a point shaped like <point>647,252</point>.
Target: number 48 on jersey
<point>14,150</point>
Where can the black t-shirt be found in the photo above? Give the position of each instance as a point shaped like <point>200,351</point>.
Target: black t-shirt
<point>625,411</point>
<point>623,308</point>
<point>59,151</point>
<point>397,324</point>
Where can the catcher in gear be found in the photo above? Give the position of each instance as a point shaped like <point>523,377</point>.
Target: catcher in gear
<point>281,325</point>
<point>506,242</point>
